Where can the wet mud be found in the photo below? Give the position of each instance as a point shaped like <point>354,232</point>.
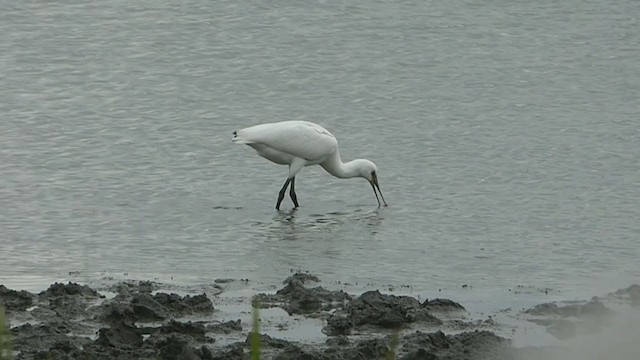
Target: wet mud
<point>297,298</point>
<point>139,320</point>
<point>567,321</point>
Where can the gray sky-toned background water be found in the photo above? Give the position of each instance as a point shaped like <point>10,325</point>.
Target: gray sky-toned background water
<point>506,134</point>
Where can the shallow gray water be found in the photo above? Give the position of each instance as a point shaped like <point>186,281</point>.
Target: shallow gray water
<point>506,136</point>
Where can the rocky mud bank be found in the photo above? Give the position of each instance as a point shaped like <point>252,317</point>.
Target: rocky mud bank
<point>138,320</point>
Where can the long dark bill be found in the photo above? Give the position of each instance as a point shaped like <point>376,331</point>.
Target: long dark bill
<point>374,186</point>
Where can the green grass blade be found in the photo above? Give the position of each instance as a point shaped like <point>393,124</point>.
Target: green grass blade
<point>394,342</point>
<point>255,334</point>
<point>6,352</point>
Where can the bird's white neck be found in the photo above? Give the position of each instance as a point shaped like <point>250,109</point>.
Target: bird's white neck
<point>339,169</point>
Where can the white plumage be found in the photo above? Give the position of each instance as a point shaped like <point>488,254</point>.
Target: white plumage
<point>302,143</point>
<point>281,142</point>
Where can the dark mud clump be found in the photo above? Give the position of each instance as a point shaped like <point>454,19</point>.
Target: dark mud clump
<point>180,306</point>
<point>303,278</point>
<point>477,345</point>
<point>73,290</point>
<point>296,298</point>
<point>442,306</point>
<point>131,306</point>
<point>45,336</point>
<point>121,337</point>
<point>55,318</point>
<point>226,327</point>
<point>386,311</point>
<point>13,300</point>
<point>195,330</point>
<point>66,317</point>
<point>364,349</point>
<point>68,301</point>
<point>471,345</point>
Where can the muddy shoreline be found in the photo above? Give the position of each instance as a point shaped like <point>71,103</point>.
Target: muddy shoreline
<point>145,320</point>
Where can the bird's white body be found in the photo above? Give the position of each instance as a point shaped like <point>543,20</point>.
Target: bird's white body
<point>299,144</point>
<point>290,142</point>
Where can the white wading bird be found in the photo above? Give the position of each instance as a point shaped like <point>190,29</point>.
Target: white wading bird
<point>302,143</point>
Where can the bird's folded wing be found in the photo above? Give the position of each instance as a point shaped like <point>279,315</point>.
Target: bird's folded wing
<point>298,138</point>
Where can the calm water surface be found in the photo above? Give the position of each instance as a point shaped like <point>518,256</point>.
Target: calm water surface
<point>506,135</point>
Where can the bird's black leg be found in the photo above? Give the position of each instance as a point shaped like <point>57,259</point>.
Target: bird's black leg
<point>292,192</point>
<point>281,195</point>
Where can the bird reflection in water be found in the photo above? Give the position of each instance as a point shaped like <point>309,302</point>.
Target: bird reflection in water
<point>288,225</point>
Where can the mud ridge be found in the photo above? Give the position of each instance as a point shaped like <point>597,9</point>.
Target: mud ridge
<point>137,320</point>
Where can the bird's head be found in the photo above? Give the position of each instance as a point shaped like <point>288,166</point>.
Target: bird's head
<point>368,170</point>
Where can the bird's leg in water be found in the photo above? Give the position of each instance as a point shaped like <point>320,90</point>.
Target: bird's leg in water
<point>292,192</point>
<point>281,195</point>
